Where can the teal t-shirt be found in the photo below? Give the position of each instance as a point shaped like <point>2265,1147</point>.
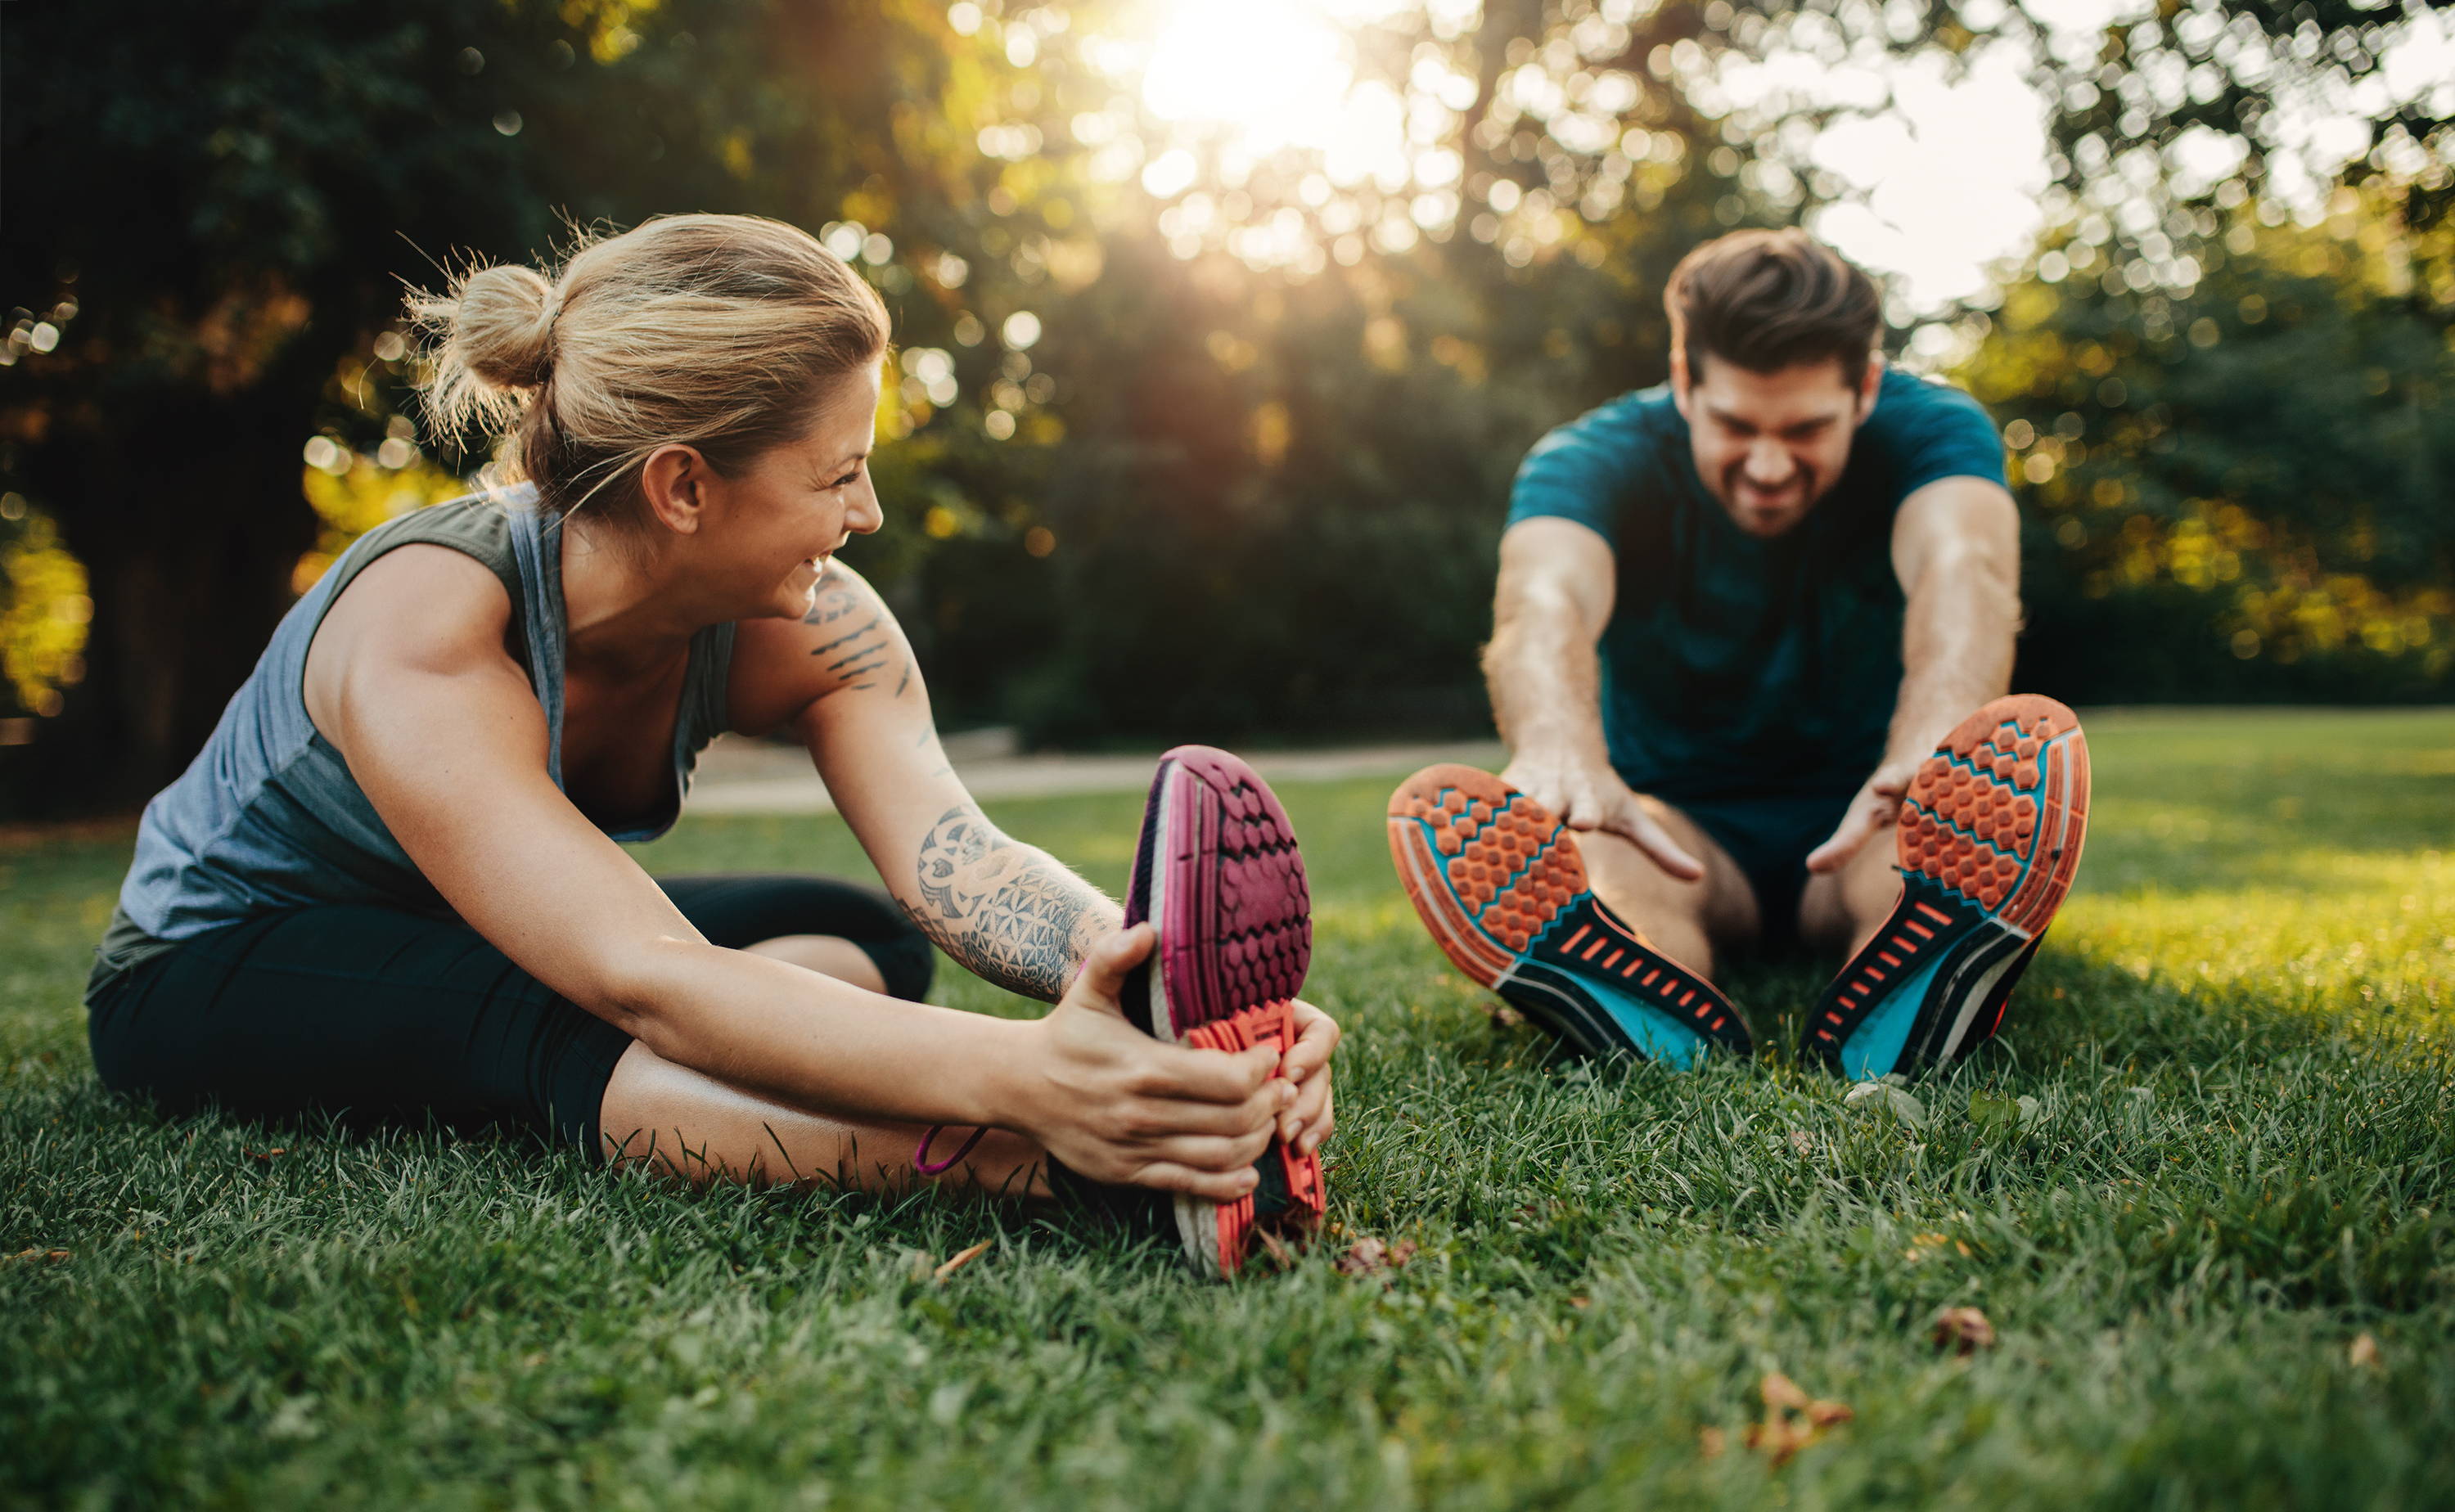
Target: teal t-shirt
<point>1735,666</point>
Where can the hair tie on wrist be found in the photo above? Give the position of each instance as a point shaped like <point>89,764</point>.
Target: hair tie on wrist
<point>921,1156</point>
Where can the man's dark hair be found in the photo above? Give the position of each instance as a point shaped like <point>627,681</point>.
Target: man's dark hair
<point>1772,299</point>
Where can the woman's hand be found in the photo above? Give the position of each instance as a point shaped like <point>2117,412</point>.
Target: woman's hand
<point>1117,1106</point>
<point>1310,1119</point>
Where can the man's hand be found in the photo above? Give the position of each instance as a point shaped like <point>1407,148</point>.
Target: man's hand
<point>1591,798</point>
<point>1119,1106</point>
<point>1875,809</point>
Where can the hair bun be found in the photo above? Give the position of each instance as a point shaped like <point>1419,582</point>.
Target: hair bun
<point>501,326</point>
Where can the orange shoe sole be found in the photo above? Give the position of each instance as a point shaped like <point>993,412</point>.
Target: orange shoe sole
<point>1989,841</point>
<point>1498,882</point>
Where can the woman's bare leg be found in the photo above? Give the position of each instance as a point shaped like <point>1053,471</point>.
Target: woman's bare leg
<point>827,955</point>
<point>684,1123</point>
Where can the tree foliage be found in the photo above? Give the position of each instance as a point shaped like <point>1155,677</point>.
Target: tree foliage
<point>2258,468</point>
<point>1190,438</point>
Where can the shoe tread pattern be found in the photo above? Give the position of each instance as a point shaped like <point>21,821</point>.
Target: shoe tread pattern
<point>1988,842</point>
<point>1509,885</point>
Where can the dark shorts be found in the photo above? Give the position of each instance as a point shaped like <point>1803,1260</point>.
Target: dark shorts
<point>1770,839</point>
<point>384,1015</point>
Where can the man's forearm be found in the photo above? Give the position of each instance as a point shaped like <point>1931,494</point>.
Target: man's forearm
<point>1544,681</point>
<point>1008,912</point>
<point>1956,653</point>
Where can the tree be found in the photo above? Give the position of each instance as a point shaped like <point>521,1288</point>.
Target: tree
<point>2251,475</point>
<point>217,257</point>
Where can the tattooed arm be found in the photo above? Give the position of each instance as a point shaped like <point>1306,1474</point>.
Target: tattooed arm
<point>1009,912</point>
<point>844,680</point>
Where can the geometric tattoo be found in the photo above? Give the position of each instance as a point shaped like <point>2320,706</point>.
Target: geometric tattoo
<point>1008,911</point>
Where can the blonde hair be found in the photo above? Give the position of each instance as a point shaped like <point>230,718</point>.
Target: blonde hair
<point>723,332</point>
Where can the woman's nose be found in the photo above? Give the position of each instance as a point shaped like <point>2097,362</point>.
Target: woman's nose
<point>866,516</point>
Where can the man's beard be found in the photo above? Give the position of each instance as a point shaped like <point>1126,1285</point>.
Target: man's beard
<point>1801,491</point>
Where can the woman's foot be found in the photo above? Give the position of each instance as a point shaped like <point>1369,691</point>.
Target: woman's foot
<point>1500,885</point>
<point>1218,872</point>
<point>1989,838</point>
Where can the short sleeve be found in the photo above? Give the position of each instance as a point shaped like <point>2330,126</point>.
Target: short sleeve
<point>1584,470</point>
<point>1945,434</point>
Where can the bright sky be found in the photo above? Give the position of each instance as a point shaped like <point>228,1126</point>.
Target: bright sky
<point>1945,175</point>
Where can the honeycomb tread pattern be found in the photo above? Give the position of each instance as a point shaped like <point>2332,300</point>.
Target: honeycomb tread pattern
<point>1505,858</point>
<point>1989,818</point>
<point>1508,896</point>
<point>1988,843</point>
<point>1253,943</point>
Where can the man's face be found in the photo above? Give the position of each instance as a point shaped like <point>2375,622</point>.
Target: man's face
<point>1770,444</point>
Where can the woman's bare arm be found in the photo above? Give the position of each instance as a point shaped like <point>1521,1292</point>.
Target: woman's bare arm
<point>844,680</point>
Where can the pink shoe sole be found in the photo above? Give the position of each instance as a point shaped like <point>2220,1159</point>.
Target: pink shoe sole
<point>1218,872</point>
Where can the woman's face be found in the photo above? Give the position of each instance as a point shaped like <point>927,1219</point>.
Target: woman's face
<point>777,522</point>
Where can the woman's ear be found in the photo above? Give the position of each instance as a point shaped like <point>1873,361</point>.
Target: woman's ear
<point>674,482</point>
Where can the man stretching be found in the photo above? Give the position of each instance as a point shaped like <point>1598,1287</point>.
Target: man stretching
<point>1742,624</point>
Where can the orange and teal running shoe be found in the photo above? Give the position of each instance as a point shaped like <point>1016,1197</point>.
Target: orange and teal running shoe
<point>1500,885</point>
<point>1989,841</point>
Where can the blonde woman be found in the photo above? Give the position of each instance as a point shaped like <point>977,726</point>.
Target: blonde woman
<point>391,883</point>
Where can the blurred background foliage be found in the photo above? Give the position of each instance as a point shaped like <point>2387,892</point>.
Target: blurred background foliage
<point>1214,363</point>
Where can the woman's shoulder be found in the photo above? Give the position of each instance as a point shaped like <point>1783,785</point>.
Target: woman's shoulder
<point>848,642</point>
<point>483,526</point>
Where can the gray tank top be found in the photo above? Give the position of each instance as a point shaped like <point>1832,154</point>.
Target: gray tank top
<point>268,817</point>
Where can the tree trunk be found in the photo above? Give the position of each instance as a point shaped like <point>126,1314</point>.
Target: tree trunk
<point>188,514</point>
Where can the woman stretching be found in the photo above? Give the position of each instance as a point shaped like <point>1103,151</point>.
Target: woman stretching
<point>391,883</point>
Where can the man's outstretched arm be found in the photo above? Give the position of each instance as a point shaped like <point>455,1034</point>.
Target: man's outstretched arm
<point>1555,596</point>
<point>1956,550</point>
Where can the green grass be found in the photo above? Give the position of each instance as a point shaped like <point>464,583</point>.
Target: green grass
<point>2241,1162</point>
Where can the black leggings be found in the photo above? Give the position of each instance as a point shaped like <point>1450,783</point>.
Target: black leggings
<point>388,1016</point>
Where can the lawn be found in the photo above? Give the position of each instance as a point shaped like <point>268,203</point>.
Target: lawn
<point>2216,1247</point>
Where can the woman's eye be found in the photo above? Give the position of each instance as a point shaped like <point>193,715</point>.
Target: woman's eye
<point>847,480</point>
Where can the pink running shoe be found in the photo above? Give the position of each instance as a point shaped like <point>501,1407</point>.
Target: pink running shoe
<point>1217,871</point>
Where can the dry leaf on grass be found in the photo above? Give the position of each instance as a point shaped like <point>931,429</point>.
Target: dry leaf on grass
<point>1803,1142</point>
<point>264,1157</point>
<point>1782,1392</point>
<point>1712,1442</point>
<point>1963,1330</point>
<point>1370,1257</point>
<point>1501,1014</point>
<point>56,1256</point>
<point>2363,1353</point>
<point>1793,1420</point>
<point>962,1257</point>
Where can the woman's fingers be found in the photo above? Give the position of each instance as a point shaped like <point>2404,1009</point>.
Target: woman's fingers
<point>1310,1109</point>
<point>1319,1126</point>
<point>1168,1118</point>
<point>1102,980</point>
<point>1209,1076</point>
<point>1317,1034</point>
